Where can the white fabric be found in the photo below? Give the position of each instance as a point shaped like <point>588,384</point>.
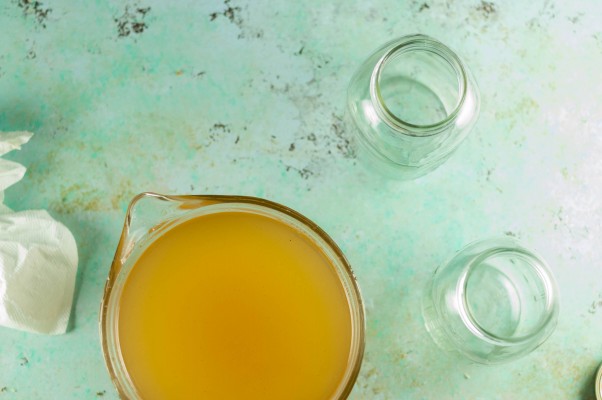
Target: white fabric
<point>38,258</point>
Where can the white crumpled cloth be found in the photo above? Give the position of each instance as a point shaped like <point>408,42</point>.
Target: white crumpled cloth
<point>38,258</point>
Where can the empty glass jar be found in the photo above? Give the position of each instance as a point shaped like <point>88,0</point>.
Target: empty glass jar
<point>413,102</point>
<point>493,302</point>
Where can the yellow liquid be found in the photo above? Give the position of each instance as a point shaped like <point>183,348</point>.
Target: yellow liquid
<point>234,305</point>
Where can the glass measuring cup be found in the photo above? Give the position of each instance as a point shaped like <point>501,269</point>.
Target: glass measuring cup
<point>150,216</point>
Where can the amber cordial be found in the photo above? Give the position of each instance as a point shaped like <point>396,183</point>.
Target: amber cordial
<point>234,305</point>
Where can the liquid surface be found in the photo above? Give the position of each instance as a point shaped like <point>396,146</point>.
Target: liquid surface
<point>234,305</point>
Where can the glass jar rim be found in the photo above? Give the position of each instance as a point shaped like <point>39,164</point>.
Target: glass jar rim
<point>540,268</point>
<point>422,43</point>
<point>599,383</point>
<point>109,305</point>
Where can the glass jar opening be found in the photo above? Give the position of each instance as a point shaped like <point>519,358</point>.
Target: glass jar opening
<point>419,86</point>
<point>508,296</point>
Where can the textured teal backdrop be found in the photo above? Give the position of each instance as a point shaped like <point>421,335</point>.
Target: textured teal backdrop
<point>247,97</point>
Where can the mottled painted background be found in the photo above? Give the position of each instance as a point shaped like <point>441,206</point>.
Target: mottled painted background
<point>248,97</point>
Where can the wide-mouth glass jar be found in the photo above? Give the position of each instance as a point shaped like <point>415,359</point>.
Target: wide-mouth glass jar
<point>493,302</point>
<point>151,218</point>
<point>413,102</point>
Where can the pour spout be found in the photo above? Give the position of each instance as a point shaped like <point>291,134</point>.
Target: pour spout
<point>148,212</point>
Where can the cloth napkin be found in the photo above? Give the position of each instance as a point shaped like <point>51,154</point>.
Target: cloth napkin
<point>38,258</point>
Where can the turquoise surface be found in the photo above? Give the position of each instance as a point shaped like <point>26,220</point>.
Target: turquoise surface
<point>248,98</point>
